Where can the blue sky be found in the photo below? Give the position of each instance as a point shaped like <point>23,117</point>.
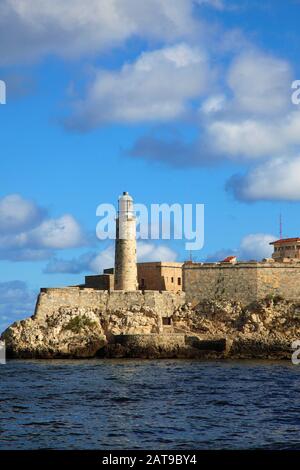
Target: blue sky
<point>182,101</point>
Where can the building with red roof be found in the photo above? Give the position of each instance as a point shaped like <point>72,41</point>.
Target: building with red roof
<point>286,248</point>
<point>230,259</point>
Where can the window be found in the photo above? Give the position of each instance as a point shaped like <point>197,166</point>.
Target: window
<point>179,281</point>
<point>172,279</point>
<point>166,321</point>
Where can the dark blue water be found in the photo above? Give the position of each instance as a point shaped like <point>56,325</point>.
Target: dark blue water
<point>170,404</point>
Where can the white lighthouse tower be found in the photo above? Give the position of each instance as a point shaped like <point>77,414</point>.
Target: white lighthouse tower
<point>125,248</point>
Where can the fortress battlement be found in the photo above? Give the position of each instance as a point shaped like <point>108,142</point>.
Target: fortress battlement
<point>242,281</point>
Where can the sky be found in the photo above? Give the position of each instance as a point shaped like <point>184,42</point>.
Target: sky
<point>175,101</point>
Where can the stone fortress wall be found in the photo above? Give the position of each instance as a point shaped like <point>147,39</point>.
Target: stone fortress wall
<point>52,299</point>
<point>242,281</point>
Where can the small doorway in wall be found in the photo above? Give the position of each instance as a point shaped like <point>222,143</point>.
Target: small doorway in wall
<point>166,321</point>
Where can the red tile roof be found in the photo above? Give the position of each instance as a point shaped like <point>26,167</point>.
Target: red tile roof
<point>285,240</point>
<point>228,259</point>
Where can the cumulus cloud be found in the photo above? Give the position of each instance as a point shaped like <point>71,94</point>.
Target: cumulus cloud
<point>258,120</point>
<point>17,301</point>
<point>254,139</point>
<point>27,233</point>
<point>235,140</point>
<point>31,29</point>
<point>252,118</point>
<point>60,233</point>
<point>247,116</point>
<point>96,263</point>
<point>254,246</point>
<point>152,252</point>
<point>277,179</point>
<point>103,260</point>
<point>141,91</point>
<point>17,213</point>
<point>260,83</point>
<point>245,139</point>
<point>255,120</point>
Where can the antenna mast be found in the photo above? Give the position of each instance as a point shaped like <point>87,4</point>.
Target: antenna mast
<point>280,226</point>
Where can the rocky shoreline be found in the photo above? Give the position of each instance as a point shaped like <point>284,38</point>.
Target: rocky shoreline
<point>211,329</point>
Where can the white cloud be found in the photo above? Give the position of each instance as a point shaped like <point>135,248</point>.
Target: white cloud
<point>104,260</point>
<point>146,251</point>
<point>251,119</point>
<point>254,246</point>
<point>213,104</point>
<point>141,91</point>
<point>151,252</point>
<point>17,213</point>
<point>277,179</point>
<point>85,263</point>
<point>64,232</point>
<point>30,29</point>
<point>245,139</point>
<point>259,120</point>
<point>27,234</point>
<point>260,83</point>
<point>254,139</point>
<point>96,263</point>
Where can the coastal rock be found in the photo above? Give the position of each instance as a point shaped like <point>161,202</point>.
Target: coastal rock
<point>65,334</point>
<point>264,329</point>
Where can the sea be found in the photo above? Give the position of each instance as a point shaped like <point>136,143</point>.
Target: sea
<point>149,404</point>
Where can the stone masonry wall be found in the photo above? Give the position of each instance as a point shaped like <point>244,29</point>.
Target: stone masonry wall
<point>51,299</point>
<point>214,281</point>
<point>280,279</point>
<point>244,282</point>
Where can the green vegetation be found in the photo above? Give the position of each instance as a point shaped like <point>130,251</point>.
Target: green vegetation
<point>78,323</point>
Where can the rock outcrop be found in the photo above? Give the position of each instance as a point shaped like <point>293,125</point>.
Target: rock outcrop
<point>264,329</point>
<point>64,334</point>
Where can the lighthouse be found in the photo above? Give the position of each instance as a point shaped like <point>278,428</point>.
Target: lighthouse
<point>125,248</point>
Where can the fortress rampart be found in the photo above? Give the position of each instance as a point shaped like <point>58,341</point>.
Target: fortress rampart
<point>52,299</point>
<point>244,282</point>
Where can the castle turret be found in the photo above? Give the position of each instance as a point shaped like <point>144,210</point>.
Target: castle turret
<point>125,249</point>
